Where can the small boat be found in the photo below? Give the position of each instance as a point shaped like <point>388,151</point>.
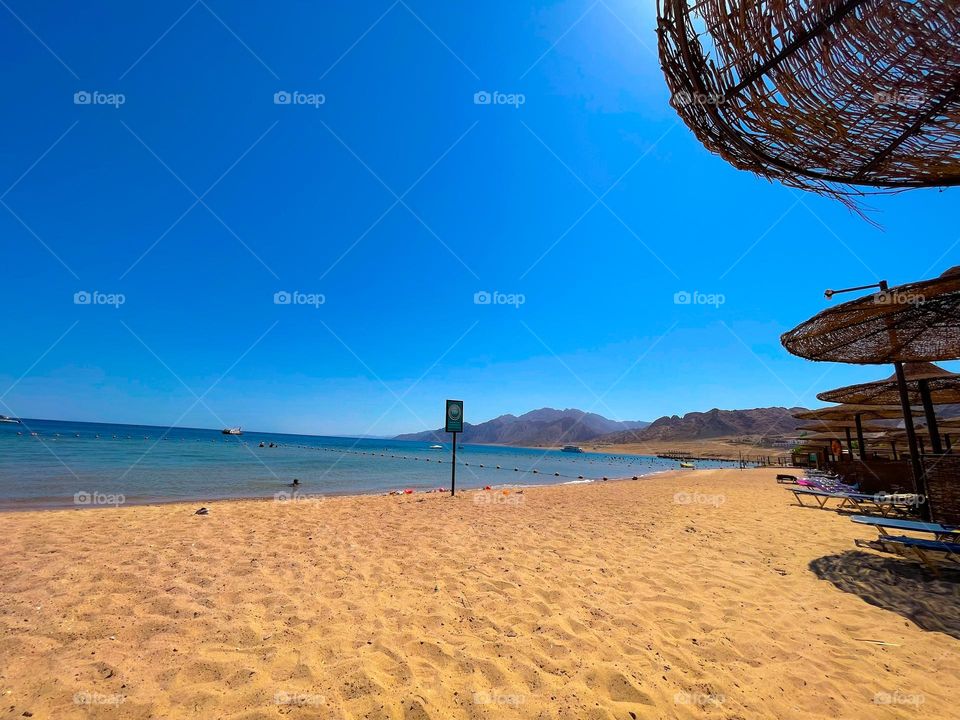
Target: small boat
<point>232,431</point>
<point>436,447</point>
<point>572,448</point>
<point>12,421</point>
<point>687,464</point>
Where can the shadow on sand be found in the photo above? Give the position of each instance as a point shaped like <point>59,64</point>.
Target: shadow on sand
<point>898,585</point>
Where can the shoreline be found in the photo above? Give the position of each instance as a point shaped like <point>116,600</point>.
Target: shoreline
<point>318,497</point>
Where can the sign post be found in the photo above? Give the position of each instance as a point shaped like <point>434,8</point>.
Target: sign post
<point>454,424</point>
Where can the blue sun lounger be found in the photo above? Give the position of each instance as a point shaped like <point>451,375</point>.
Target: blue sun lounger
<point>862,503</point>
<point>946,533</point>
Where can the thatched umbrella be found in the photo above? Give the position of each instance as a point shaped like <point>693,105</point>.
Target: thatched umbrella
<point>855,413</point>
<point>842,97</point>
<point>824,431</point>
<point>918,322</point>
<point>849,411</point>
<point>927,385</point>
<point>831,435</point>
<point>846,427</point>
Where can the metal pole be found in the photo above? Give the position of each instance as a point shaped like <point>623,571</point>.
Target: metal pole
<point>453,468</point>
<point>919,480</point>
<point>927,402</point>
<point>860,441</point>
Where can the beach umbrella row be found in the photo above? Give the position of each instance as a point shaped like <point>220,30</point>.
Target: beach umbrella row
<point>913,324</point>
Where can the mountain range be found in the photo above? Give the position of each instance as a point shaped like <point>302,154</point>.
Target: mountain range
<point>714,423</point>
<point>545,426</point>
<point>559,427</point>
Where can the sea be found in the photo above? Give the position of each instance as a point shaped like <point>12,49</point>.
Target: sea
<point>61,464</point>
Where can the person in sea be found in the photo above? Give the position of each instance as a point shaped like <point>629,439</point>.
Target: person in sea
<point>295,483</point>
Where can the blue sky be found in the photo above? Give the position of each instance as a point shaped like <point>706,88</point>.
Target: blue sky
<point>385,190</point>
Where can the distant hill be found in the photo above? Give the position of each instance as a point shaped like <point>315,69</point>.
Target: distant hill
<point>545,426</point>
<point>713,424</point>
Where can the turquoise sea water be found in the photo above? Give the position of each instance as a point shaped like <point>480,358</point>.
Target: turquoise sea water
<point>73,464</point>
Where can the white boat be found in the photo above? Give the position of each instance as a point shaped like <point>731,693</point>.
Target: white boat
<point>572,448</point>
<point>436,447</point>
<point>232,431</point>
<point>5,419</point>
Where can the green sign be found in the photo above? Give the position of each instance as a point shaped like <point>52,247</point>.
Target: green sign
<point>454,421</point>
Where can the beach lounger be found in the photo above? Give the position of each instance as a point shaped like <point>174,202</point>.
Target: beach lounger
<point>945,533</point>
<point>929,552</point>
<point>861,503</point>
<point>784,479</point>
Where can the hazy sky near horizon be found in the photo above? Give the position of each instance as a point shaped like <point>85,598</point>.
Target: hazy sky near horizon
<point>204,162</point>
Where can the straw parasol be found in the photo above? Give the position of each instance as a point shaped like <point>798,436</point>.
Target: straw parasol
<point>923,380</point>
<point>917,322</point>
<point>844,425</point>
<point>841,97</point>
<point>926,384</point>
<point>849,411</point>
<point>837,427</point>
<point>855,413</point>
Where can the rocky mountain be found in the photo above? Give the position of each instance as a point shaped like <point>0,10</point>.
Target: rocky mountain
<point>545,426</point>
<point>713,424</point>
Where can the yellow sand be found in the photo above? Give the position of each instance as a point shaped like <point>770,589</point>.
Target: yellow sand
<point>611,600</point>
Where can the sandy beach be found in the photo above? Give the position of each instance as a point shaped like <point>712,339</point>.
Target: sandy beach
<point>697,594</point>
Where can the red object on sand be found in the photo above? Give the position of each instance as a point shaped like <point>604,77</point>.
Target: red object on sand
<point>408,491</point>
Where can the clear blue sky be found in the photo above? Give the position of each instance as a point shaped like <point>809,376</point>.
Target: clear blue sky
<point>397,200</point>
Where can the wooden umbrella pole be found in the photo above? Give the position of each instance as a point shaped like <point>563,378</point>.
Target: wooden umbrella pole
<point>931,417</point>
<point>849,442</point>
<point>860,442</point>
<point>918,476</point>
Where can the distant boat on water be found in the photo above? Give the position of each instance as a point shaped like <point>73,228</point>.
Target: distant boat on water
<point>232,431</point>
<point>572,448</point>
<point>5,419</point>
<point>436,447</point>
<point>685,464</point>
